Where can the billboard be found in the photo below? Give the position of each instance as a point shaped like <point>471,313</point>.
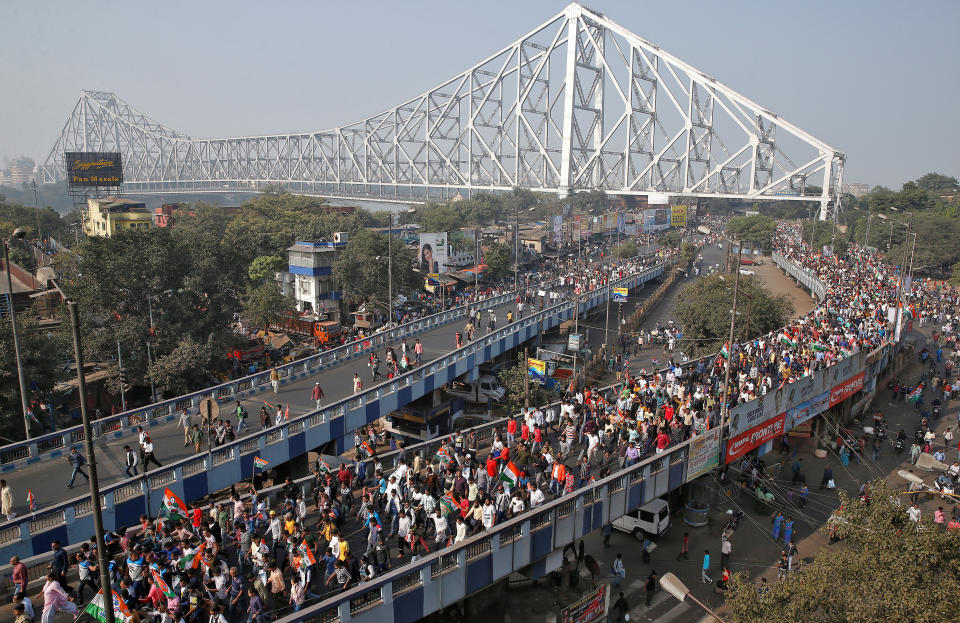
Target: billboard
<point>620,295</point>
<point>807,410</point>
<point>93,168</point>
<point>589,608</point>
<point>661,216</point>
<point>755,437</point>
<point>537,369</point>
<point>433,253</point>
<point>846,389</point>
<point>678,216</point>
<point>704,453</point>
<point>557,228</point>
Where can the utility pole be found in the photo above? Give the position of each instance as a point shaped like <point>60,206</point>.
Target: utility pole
<point>102,562</point>
<point>123,394</point>
<point>11,309</point>
<point>36,206</point>
<point>153,389</point>
<point>900,285</point>
<point>390,273</point>
<point>606,320</point>
<point>733,320</point>
<point>516,250</point>
<point>526,378</point>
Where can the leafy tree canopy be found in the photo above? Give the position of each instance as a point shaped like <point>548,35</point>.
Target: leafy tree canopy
<point>512,379</point>
<point>703,310</point>
<point>884,569</point>
<point>625,250</point>
<point>754,231</point>
<point>265,305</point>
<point>362,268</point>
<point>265,267</point>
<point>499,259</point>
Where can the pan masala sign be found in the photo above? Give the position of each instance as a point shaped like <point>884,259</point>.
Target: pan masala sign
<point>755,437</point>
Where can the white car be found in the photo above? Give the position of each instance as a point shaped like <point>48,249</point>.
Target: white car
<point>747,271</point>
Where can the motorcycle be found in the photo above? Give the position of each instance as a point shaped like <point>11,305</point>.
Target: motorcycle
<point>734,520</point>
<point>898,446</point>
<point>944,485</point>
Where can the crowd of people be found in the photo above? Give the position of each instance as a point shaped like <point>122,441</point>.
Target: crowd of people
<point>248,561</point>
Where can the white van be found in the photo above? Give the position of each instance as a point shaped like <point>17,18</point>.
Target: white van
<point>649,521</point>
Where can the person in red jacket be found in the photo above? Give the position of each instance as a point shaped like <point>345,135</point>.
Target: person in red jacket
<point>663,440</point>
<point>511,431</point>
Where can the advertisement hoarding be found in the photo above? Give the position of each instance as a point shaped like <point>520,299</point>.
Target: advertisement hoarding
<point>704,453</point>
<point>755,437</point>
<point>620,295</point>
<point>846,389</point>
<point>590,607</point>
<point>557,228</point>
<point>537,369</point>
<point>678,216</point>
<point>93,168</point>
<point>662,216</point>
<point>433,253</point>
<point>807,410</point>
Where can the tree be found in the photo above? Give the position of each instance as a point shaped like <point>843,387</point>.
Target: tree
<point>266,305</point>
<point>40,356</point>
<point>499,259</point>
<point>362,268</point>
<point>939,184</point>
<point>512,379</point>
<point>755,231</point>
<point>703,310</point>
<point>884,569</point>
<point>625,251</point>
<point>184,369</point>
<point>589,202</point>
<point>265,267</point>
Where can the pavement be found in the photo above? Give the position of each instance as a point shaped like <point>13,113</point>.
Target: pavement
<point>48,479</point>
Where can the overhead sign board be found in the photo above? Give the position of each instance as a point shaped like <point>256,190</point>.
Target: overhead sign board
<point>678,216</point>
<point>620,295</point>
<point>93,168</point>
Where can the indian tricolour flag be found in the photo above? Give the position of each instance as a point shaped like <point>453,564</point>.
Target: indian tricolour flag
<point>172,507</point>
<point>259,463</point>
<point>787,340</point>
<point>510,474</point>
<point>449,503</point>
<point>95,608</point>
<point>190,561</point>
<point>725,351</point>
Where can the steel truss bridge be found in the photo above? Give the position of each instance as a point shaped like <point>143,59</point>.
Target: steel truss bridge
<point>577,103</point>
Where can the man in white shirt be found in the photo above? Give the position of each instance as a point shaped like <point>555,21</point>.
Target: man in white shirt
<point>489,515</point>
<point>536,497</point>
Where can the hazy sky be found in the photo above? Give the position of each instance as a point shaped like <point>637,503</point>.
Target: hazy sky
<point>876,79</point>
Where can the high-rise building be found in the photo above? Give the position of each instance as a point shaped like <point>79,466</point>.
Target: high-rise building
<point>21,170</point>
<point>856,189</point>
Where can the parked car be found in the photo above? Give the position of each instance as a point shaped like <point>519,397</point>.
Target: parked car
<point>649,521</point>
<point>747,271</point>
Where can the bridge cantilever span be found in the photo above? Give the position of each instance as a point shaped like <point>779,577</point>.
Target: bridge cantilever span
<point>577,103</point>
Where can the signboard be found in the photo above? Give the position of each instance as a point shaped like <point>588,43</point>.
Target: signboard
<point>846,389</point>
<point>678,216</point>
<point>93,168</point>
<point>704,453</point>
<point>591,607</point>
<point>748,415</point>
<point>537,368</point>
<point>620,295</point>
<point>433,253</point>
<point>807,410</point>
<point>557,228</point>
<point>661,217</point>
<point>755,437</point>
<point>630,229</point>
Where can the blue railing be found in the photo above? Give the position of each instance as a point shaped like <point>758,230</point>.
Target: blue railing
<point>194,477</point>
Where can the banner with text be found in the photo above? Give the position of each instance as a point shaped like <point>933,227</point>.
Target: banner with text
<point>755,437</point>
<point>591,607</point>
<point>678,216</point>
<point>846,389</point>
<point>704,453</point>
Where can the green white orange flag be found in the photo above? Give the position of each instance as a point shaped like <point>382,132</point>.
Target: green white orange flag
<point>259,463</point>
<point>120,610</point>
<point>190,561</point>
<point>173,507</point>
<point>510,474</point>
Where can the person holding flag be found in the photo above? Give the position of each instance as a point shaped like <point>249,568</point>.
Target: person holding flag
<point>6,500</point>
<point>172,507</point>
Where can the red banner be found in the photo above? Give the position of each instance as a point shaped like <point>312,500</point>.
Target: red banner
<point>755,437</point>
<point>846,389</point>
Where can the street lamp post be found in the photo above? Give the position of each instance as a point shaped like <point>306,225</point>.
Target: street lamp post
<point>390,273</point>
<point>102,560</point>
<point>725,400</point>
<point>18,234</point>
<point>672,584</point>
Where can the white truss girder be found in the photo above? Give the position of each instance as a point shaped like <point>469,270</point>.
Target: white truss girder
<point>577,103</point>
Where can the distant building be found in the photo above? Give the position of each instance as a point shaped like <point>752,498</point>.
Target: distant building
<point>107,215</point>
<point>309,276</point>
<point>6,179</point>
<point>21,170</point>
<point>163,216</point>
<point>856,189</point>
